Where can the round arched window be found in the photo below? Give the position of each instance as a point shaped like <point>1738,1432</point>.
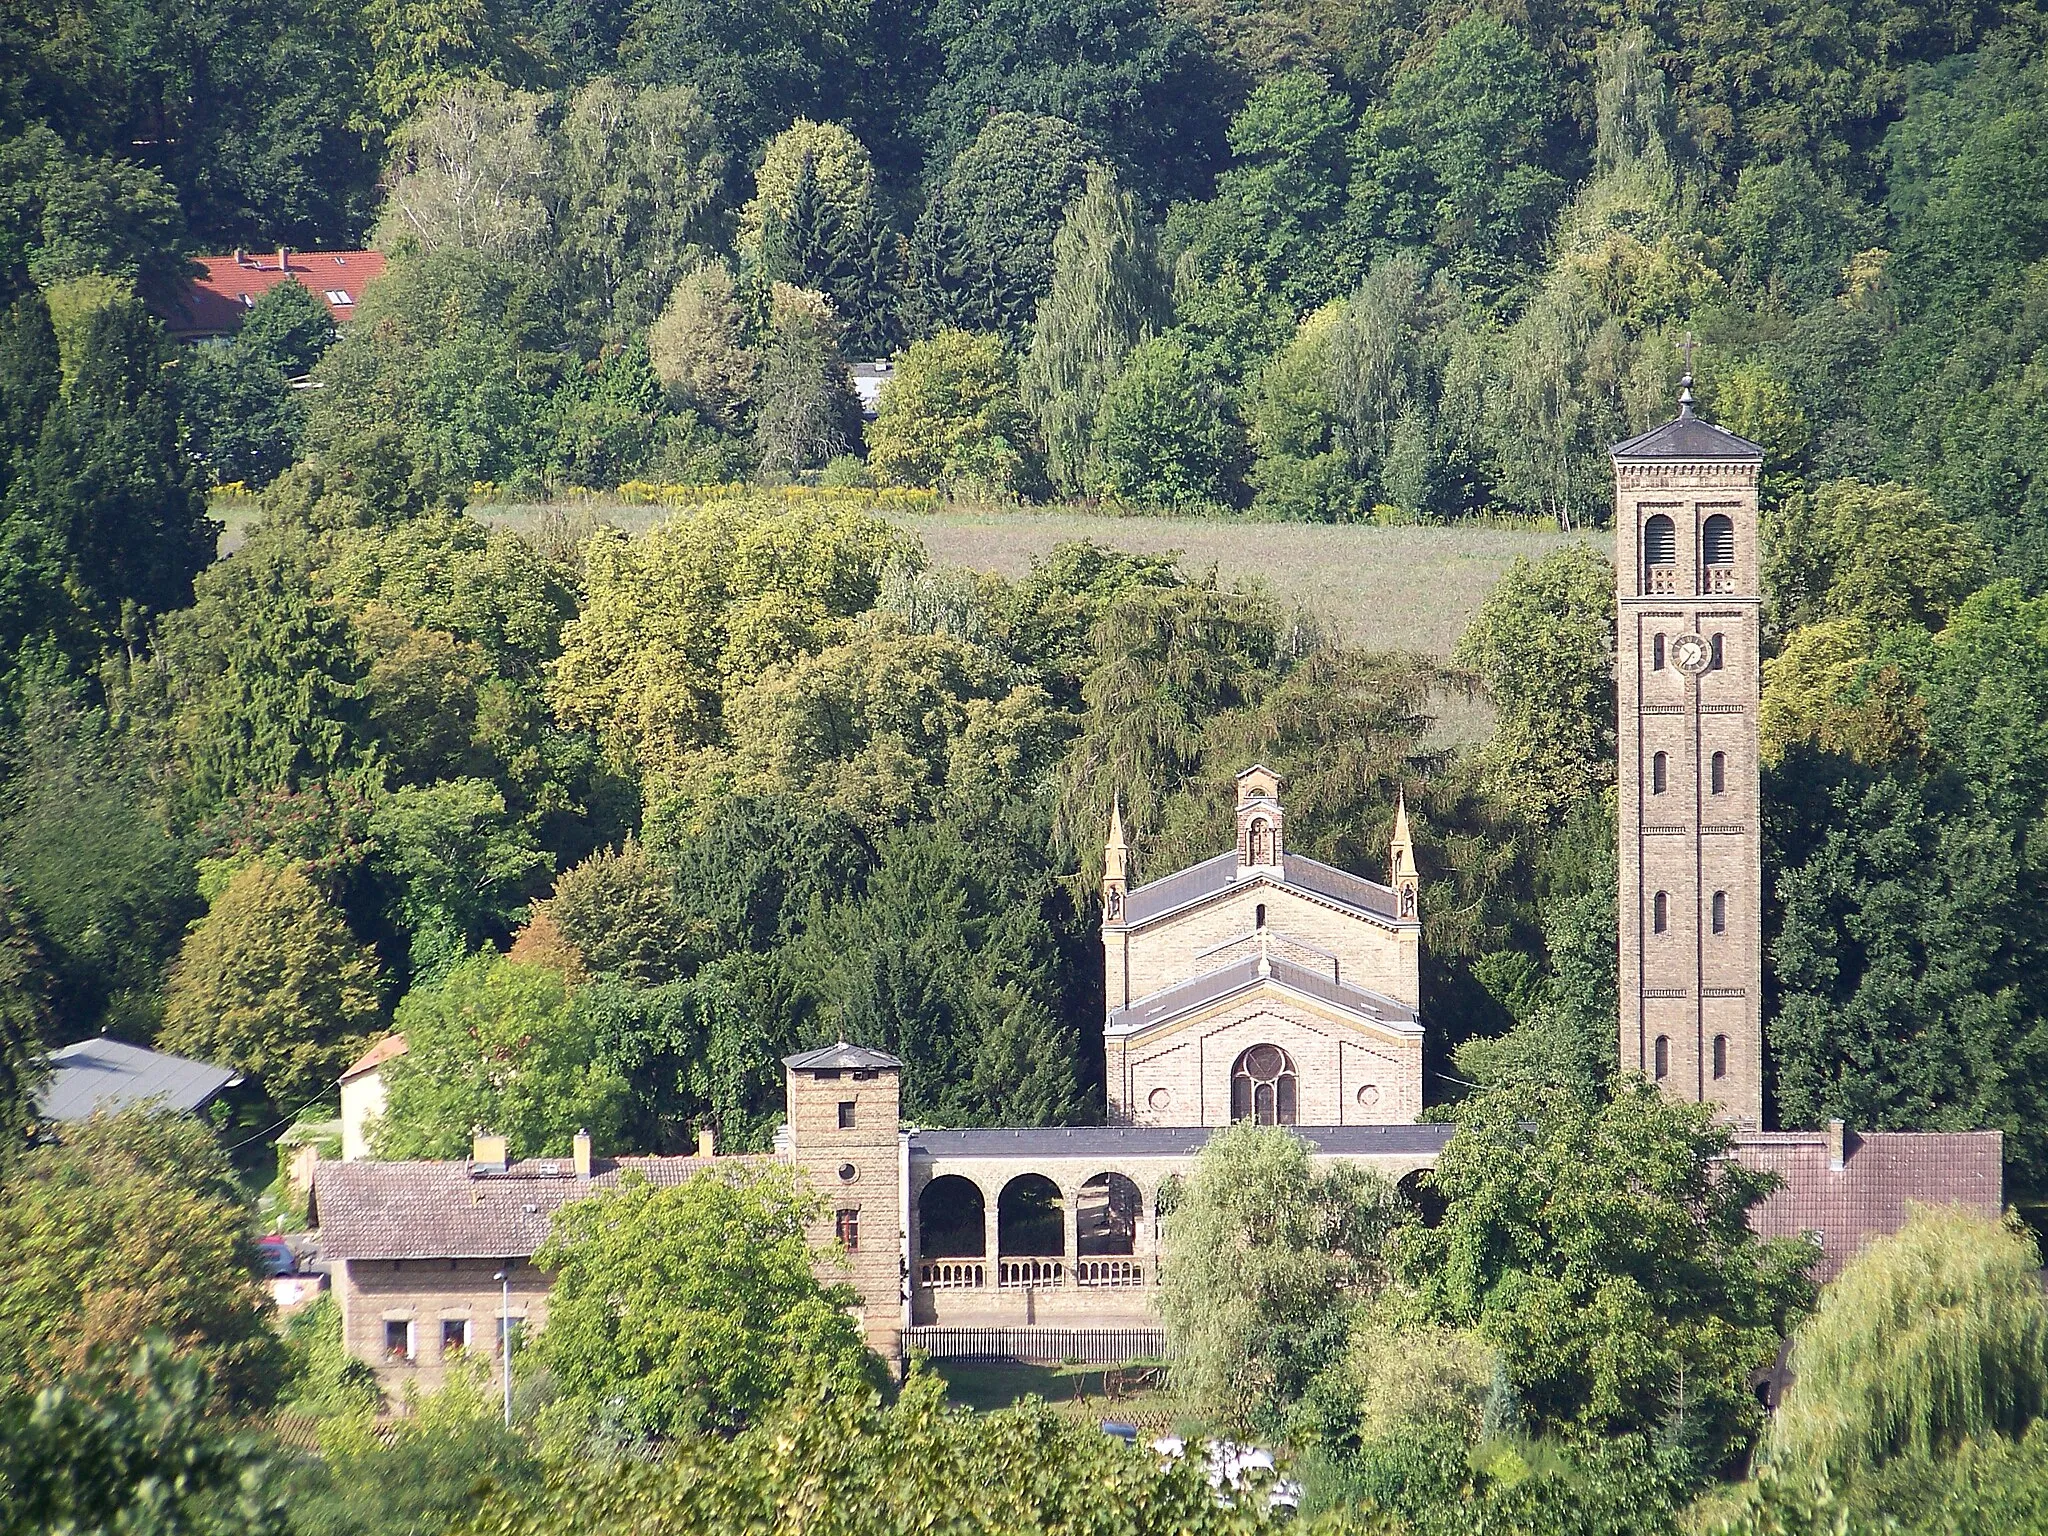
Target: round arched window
<point>1262,1086</point>
<point>1717,540</point>
<point>1660,541</point>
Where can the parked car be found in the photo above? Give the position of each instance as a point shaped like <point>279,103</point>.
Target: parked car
<point>276,1255</point>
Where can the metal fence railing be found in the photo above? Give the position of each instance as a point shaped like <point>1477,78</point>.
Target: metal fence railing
<point>1040,1346</point>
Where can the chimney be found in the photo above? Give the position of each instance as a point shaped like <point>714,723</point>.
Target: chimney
<point>284,258</point>
<point>707,1142</point>
<point>1838,1136</point>
<point>241,257</point>
<point>582,1148</point>
<point>488,1153</point>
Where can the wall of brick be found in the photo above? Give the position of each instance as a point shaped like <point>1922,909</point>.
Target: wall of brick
<point>428,1293</point>
<point>1688,984</point>
<point>1384,958</point>
<point>1347,1073</point>
<point>856,1169</point>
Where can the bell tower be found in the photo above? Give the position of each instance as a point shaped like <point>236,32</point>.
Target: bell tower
<point>1688,660</point>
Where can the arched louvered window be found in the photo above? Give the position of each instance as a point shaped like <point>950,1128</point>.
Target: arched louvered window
<point>1660,541</point>
<point>1663,1058</point>
<point>1717,540</point>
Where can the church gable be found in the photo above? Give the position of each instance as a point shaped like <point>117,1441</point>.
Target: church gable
<point>1260,947</point>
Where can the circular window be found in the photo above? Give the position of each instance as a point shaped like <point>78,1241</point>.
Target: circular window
<point>848,1173</point>
<point>1368,1095</point>
<point>1159,1098</point>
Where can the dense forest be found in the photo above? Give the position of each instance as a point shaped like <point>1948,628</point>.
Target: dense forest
<point>606,824</point>
<point>759,777</point>
<point>1322,262</point>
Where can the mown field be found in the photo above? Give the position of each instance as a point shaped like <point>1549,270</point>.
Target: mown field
<point>1384,588</point>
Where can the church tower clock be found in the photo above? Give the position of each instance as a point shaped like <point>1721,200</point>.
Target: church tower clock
<point>1689,675</point>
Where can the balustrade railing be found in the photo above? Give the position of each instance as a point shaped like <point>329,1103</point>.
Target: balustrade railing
<point>1118,1274</point>
<point>953,1274</point>
<point>1660,580</point>
<point>1720,578</point>
<point>1029,1274</point>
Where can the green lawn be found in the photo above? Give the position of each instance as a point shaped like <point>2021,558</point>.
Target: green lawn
<point>1077,1390</point>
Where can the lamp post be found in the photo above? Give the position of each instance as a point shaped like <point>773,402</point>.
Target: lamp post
<point>504,1278</point>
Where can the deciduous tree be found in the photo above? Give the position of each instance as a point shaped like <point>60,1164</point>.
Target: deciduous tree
<point>271,982</point>
<point>693,1307</point>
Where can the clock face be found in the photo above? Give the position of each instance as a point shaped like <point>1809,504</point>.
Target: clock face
<point>1690,652</point>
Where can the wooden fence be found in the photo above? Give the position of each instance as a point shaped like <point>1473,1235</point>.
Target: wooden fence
<point>1040,1346</point>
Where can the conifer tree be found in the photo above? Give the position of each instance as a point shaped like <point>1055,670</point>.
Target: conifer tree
<point>1107,296</point>
<point>113,484</point>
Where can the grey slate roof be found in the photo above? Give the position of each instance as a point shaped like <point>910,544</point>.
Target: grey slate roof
<point>1687,437</point>
<point>1121,1141</point>
<point>112,1074</point>
<point>842,1057</point>
<point>439,1210</point>
<point>1200,991</point>
<point>1214,876</point>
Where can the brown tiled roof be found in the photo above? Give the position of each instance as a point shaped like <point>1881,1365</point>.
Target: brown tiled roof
<point>1212,877</point>
<point>440,1210</point>
<point>1882,1173</point>
<point>384,1050</point>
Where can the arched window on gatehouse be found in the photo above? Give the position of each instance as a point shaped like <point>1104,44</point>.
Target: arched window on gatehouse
<point>1106,1217</point>
<point>1031,1218</point>
<point>1660,554</point>
<point>1262,841</point>
<point>1263,1086</point>
<point>952,1219</point>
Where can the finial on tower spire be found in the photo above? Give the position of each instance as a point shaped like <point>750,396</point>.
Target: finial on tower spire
<point>1401,873</point>
<point>1688,346</point>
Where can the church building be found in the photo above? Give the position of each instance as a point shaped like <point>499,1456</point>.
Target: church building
<point>1261,985</point>
<point>1255,985</point>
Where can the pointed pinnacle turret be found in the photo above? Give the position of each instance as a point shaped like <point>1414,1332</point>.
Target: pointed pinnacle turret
<point>1116,821</point>
<point>1401,837</point>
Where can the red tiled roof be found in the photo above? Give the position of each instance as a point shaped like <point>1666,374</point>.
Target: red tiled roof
<point>384,1050</point>
<point>1882,1173</point>
<point>217,300</point>
<point>441,1210</point>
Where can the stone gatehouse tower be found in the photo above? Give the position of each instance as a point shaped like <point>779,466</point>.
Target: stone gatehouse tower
<point>1688,663</point>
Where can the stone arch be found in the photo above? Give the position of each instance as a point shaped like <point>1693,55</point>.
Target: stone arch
<point>1419,1192</point>
<point>1660,541</point>
<point>1264,1086</point>
<point>1031,1218</point>
<point>1107,1212</point>
<point>952,1219</point>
